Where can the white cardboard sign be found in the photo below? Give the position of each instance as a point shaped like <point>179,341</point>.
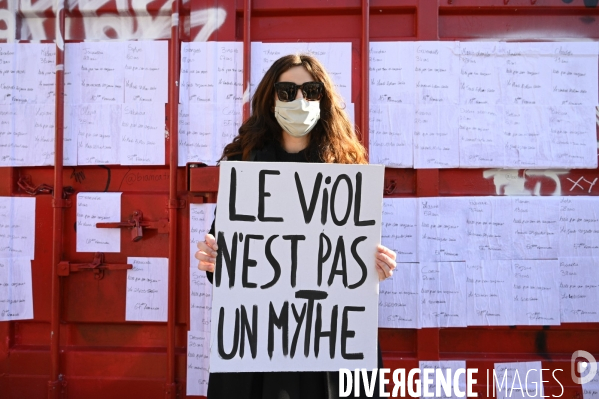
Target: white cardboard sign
<point>295,284</point>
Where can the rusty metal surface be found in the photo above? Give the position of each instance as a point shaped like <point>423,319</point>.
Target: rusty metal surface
<point>100,355</point>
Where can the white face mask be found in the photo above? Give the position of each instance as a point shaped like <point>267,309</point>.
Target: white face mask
<point>297,117</point>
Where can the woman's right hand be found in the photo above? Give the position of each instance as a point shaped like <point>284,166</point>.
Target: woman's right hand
<point>206,253</point>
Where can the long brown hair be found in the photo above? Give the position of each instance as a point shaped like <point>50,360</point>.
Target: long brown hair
<point>333,139</point>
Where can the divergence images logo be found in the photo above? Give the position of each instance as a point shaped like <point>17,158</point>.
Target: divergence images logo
<point>582,366</point>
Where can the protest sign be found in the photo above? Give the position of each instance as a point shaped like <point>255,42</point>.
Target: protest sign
<point>295,284</point>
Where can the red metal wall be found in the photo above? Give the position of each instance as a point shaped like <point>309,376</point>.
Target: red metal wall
<point>93,352</point>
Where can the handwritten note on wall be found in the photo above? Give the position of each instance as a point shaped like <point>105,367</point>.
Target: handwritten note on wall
<point>527,260</point>
<point>142,134</point>
<point>400,228</point>
<point>147,289</point>
<point>399,298</point>
<point>390,137</point>
<point>16,291</point>
<point>443,294</point>
<point>95,208</point>
<point>97,127</point>
<point>519,380</point>
<point>198,362</point>
<point>441,229</point>
<point>536,292</point>
<point>579,289</point>
<point>525,105</point>
<point>146,71</point>
<point>200,300</point>
<point>17,227</point>
<point>200,295</point>
<point>490,285</point>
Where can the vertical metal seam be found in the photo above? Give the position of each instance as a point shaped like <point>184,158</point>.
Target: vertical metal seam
<point>247,57</point>
<point>172,206</point>
<point>54,385</point>
<point>365,106</point>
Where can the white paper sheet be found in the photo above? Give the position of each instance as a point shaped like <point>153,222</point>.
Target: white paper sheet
<point>184,129</point>
<point>336,58</point>
<point>142,134</point>
<point>400,227</point>
<point>17,227</point>
<point>489,228</point>
<point>436,137</point>
<point>442,229</point>
<point>490,284</point>
<point>35,81</point>
<point>16,290</point>
<point>95,208</point>
<point>518,380</point>
<point>443,294</point>
<point>525,140</point>
<point>437,73</point>
<point>200,297</point>
<point>578,226</point>
<point>198,362</point>
<point>535,227</point>
<point>536,292</point>
<point>26,135</point>
<point>399,298</point>
<point>98,132</point>
<point>391,72</point>
<point>212,72</point>
<point>573,73</point>
<point>436,390</point>
<point>390,138</point>
<point>147,289</point>
<point>201,134</point>
<point>8,71</point>
<point>480,71</point>
<point>342,284</point>
<point>526,76</point>
<point>571,132</point>
<point>70,134</point>
<point>103,72</point>
<point>579,289</point>
<point>146,71</point>
<point>590,390</point>
<point>481,138</point>
<point>72,73</point>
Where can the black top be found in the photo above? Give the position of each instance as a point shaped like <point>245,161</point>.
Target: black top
<point>278,385</point>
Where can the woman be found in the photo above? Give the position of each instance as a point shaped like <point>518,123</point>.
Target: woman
<point>297,117</point>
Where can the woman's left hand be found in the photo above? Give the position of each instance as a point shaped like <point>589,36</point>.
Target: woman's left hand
<point>385,262</point>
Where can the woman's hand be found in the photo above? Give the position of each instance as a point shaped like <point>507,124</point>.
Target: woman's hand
<point>206,253</point>
<point>385,262</point>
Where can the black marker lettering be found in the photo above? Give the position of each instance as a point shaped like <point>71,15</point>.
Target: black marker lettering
<point>281,322</point>
<point>230,261</point>
<point>322,258</point>
<point>308,211</point>
<point>252,333</point>
<point>358,201</point>
<point>273,262</point>
<point>345,333</point>
<point>294,239</point>
<point>332,333</point>
<point>299,319</point>
<point>221,323</point>
<point>247,262</point>
<point>360,262</point>
<point>263,194</point>
<point>350,192</point>
<point>232,196</point>
<point>339,253</point>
